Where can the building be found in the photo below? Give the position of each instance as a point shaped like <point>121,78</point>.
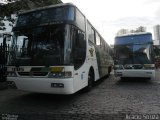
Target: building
<point>6,25</point>
<point>156,30</point>
<point>127,31</point>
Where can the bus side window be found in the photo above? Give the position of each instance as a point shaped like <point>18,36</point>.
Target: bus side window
<point>79,47</point>
<point>90,32</point>
<point>102,44</point>
<point>98,40</point>
<point>80,20</point>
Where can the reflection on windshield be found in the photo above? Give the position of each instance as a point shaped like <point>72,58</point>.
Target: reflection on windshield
<point>133,54</point>
<point>40,46</point>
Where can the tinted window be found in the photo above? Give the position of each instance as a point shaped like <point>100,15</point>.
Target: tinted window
<point>80,20</point>
<point>90,32</point>
<point>57,14</point>
<point>45,16</point>
<point>70,13</point>
<point>134,54</point>
<point>40,46</point>
<point>103,44</point>
<point>98,39</point>
<point>78,47</point>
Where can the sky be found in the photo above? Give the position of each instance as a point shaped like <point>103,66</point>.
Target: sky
<point>109,16</point>
<point>3,2</point>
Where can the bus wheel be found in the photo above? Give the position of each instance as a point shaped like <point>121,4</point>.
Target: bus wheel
<point>90,80</point>
<point>109,70</point>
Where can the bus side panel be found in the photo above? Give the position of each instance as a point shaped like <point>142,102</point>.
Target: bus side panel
<point>103,61</point>
<point>92,61</point>
<point>81,75</point>
<point>80,78</point>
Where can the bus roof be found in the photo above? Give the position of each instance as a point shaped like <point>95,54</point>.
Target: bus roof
<point>133,38</point>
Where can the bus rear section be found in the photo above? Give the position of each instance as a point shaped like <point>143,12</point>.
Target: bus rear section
<point>134,56</point>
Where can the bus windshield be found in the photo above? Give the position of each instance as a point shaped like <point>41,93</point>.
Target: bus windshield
<point>40,46</point>
<point>134,54</point>
<point>134,49</point>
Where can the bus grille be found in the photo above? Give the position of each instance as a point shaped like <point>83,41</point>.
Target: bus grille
<point>32,73</point>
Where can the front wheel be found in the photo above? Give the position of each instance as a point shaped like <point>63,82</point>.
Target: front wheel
<point>90,81</point>
<point>109,70</point>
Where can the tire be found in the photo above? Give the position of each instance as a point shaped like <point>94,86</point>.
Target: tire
<point>90,81</point>
<point>109,70</point>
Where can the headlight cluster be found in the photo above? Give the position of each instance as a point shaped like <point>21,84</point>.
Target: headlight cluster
<point>11,74</point>
<point>118,67</point>
<point>149,66</point>
<point>65,74</point>
<point>134,66</point>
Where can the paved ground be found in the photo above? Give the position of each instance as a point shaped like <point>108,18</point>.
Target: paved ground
<point>157,75</point>
<point>110,99</point>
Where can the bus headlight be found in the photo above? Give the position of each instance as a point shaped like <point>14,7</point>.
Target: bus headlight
<point>11,74</point>
<point>67,74</point>
<point>149,66</point>
<point>59,72</point>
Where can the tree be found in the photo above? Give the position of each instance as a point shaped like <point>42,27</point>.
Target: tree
<point>16,5</point>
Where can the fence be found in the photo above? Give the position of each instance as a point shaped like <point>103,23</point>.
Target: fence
<point>4,50</point>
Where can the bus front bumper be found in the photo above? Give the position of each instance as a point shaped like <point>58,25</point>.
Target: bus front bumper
<point>136,73</point>
<point>44,85</point>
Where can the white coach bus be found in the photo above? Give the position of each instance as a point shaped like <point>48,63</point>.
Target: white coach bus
<point>134,56</point>
<point>60,53</point>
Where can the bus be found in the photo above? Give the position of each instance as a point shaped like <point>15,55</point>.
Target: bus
<point>134,56</point>
<point>56,50</point>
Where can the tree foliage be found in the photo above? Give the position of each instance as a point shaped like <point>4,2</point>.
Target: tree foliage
<point>10,8</point>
